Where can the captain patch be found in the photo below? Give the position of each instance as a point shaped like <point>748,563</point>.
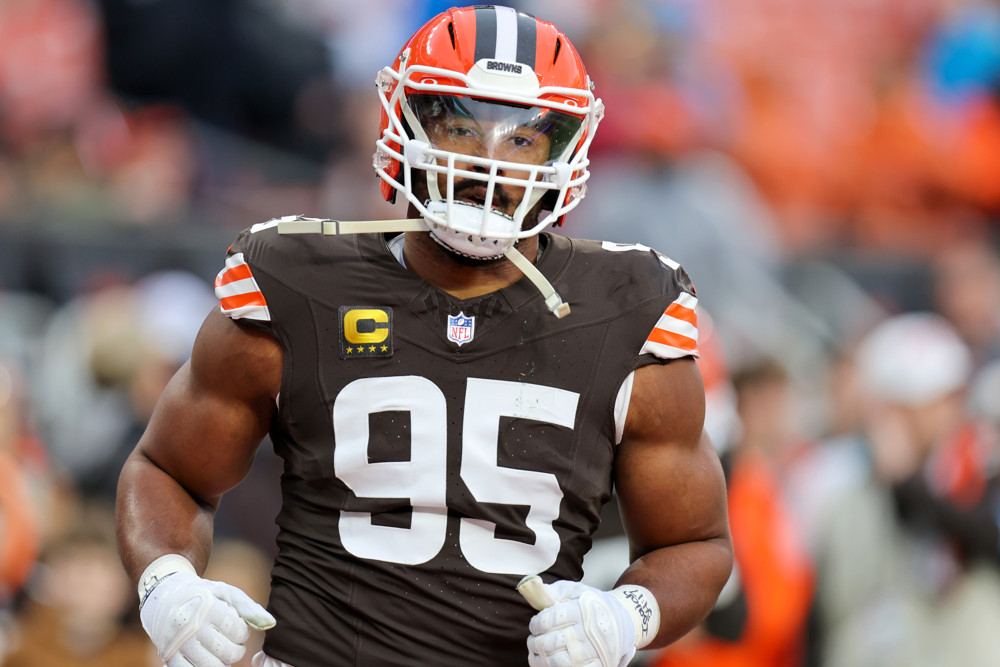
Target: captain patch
<point>365,331</point>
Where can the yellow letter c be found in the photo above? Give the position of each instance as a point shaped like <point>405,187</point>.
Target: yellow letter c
<point>354,317</point>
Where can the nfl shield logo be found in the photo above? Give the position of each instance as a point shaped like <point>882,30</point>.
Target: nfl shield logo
<point>461,329</point>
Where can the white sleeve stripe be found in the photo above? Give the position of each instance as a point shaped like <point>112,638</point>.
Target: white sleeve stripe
<point>621,406</point>
<point>680,327</point>
<point>261,226</point>
<point>234,260</point>
<point>666,351</point>
<point>249,313</point>
<point>666,261</point>
<point>687,300</point>
<point>237,287</point>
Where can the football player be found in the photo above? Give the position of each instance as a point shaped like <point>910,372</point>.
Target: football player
<point>455,396</point>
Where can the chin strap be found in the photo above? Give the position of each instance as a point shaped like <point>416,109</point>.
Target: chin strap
<point>554,302</point>
<point>301,225</point>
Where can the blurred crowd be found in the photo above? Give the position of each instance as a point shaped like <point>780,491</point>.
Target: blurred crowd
<point>826,170</point>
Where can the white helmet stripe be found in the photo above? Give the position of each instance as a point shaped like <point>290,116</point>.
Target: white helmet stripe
<point>506,48</point>
<point>503,33</point>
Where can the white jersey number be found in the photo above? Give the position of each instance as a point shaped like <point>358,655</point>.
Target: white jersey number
<point>423,478</point>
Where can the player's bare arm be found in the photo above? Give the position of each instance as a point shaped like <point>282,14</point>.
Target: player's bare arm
<point>199,444</point>
<point>673,502</point>
<point>672,497</point>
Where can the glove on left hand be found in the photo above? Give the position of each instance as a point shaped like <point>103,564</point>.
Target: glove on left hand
<point>588,627</point>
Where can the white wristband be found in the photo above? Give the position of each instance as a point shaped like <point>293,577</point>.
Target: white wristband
<point>644,610</point>
<point>160,569</point>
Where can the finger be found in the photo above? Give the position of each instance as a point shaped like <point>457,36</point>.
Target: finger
<point>532,589</point>
<point>562,659</point>
<point>220,646</point>
<point>228,622</point>
<point>198,655</point>
<point>537,657</point>
<point>562,615</point>
<point>254,614</point>
<point>547,644</point>
<point>565,589</point>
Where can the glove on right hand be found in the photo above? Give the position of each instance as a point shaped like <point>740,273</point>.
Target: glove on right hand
<point>195,621</point>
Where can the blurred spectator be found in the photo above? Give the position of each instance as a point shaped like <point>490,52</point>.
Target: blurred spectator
<point>32,498</point>
<point>960,63</point>
<point>107,357</point>
<point>81,607</point>
<point>762,615</point>
<point>237,64</point>
<point>45,84</point>
<point>907,551</point>
<point>983,399</point>
<point>22,491</point>
<point>640,60</point>
<point>66,147</point>
<point>961,58</point>
<point>966,291</point>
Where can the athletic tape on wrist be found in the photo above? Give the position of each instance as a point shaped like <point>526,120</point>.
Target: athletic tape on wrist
<point>160,569</point>
<point>644,610</point>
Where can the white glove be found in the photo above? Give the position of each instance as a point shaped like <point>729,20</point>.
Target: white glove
<point>194,621</point>
<point>579,625</point>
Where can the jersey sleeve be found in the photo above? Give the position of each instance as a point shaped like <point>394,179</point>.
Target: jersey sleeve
<point>239,294</point>
<point>675,334</point>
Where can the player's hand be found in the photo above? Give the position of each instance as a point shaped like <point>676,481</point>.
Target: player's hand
<point>195,621</point>
<point>578,625</point>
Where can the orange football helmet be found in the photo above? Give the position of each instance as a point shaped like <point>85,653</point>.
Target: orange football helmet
<point>482,103</point>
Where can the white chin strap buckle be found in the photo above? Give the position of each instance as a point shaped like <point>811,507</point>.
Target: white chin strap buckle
<point>470,230</point>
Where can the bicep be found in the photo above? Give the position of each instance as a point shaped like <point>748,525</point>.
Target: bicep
<point>669,481</point>
<point>215,411</point>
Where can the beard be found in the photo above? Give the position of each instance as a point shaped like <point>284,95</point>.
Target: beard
<point>475,191</point>
<point>472,191</point>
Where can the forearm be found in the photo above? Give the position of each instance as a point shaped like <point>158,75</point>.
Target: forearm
<point>155,515</point>
<point>686,580</point>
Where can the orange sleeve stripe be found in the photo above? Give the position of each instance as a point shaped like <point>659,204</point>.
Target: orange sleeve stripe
<point>680,312</point>
<point>238,272</point>
<point>673,340</point>
<point>242,301</point>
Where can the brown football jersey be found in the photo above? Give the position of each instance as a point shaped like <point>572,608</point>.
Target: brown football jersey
<point>438,449</point>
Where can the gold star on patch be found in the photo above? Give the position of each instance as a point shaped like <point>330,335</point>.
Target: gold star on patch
<point>371,348</point>
<point>385,348</point>
<point>349,350</point>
